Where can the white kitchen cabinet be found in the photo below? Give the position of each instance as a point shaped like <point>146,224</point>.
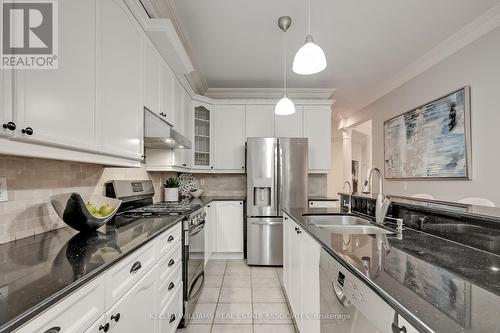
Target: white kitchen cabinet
<point>310,298</point>
<point>317,128</point>
<point>166,93</point>
<point>58,106</point>
<point>120,100</point>
<point>182,157</point>
<point>259,121</point>
<point>122,276</point>
<point>74,314</point>
<point>286,251</point>
<point>151,67</point>
<point>229,215</point>
<point>301,274</point>
<point>202,136</point>
<point>132,313</point>
<point>291,126</point>
<point>210,231</point>
<point>6,115</point>
<point>178,100</point>
<point>229,138</point>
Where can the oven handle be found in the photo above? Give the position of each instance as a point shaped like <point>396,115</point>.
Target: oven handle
<point>198,228</point>
<point>202,276</point>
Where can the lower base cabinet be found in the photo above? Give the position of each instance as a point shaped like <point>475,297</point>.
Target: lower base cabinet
<point>134,312</point>
<point>301,254</point>
<point>152,302</point>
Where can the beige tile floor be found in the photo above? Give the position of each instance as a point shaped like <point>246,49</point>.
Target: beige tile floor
<point>241,299</point>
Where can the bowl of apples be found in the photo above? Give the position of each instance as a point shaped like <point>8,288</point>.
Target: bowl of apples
<point>84,214</point>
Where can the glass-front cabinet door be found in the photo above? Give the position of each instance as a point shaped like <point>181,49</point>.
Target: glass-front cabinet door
<point>202,150</point>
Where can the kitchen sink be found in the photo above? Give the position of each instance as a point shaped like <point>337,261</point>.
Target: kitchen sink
<point>345,224</point>
<point>355,229</point>
<point>335,220</point>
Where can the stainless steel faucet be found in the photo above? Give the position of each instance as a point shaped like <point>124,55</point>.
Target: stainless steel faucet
<point>350,196</point>
<point>383,201</point>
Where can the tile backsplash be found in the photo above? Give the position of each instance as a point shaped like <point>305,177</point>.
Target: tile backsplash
<point>235,184</point>
<point>31,181</point>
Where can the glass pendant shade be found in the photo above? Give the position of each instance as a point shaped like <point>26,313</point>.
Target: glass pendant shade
<point>284,107</point>
<point>309,59</point>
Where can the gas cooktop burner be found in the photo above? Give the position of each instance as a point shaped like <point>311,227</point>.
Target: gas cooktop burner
<point>163,209</point>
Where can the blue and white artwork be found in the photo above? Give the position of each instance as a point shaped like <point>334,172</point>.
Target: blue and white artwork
<point>430,141</point>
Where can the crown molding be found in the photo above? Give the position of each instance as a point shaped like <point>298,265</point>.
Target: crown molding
<point>269,93</point>
<point>479,27</point>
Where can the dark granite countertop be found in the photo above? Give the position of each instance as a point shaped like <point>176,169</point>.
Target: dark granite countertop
<point>437,285</point>
<point>322,198</point>
<point>36,272</point>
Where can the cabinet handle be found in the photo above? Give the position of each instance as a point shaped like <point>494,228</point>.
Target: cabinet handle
<point>135,267</point>
<point>211,167</point>
<point>286,218</point>
<point>104,327</point>
<point>184,164</point>
<point>116,317</point>
<point>27,131</point>
<point>243,167</point>
<point>397,329</point>
<point>172,319</point>
<point>299,232</point>
<point>296,229</point>
<point>241,203</point>
<point>170,239</point>
<point>10,126</point>
<point>53,330</point>
<point>171,262</point>
<point>171,286</point>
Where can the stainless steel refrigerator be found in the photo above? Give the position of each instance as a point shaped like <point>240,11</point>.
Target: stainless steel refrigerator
<point>277,174</point>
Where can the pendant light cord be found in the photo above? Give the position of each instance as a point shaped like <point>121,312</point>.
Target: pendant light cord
<point>284,65</point>
<point>308,17</point>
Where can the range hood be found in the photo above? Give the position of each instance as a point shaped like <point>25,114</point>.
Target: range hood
<point>160,134</point>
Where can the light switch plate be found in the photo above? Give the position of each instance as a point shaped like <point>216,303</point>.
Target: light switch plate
<point>3,189</point>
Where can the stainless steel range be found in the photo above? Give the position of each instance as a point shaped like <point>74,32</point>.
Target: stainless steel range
<point>137,197</point>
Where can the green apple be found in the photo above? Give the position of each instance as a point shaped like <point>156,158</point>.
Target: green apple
<point>91,207</point>
<point>106,209</point>
<point>98,215</point>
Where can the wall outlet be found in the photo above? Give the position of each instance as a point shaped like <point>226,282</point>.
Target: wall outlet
<point>3,189</point>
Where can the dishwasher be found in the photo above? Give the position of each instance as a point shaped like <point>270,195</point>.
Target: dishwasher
<point>347,305</point>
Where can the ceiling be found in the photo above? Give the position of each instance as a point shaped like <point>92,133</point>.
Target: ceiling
<point>237,44</point>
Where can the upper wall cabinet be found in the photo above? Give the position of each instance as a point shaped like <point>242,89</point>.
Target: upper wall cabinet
<point>317,127</point>
<point>229,137</point>
<point>120,99</point>
<point>151,66</point>
<point>202,136</point>
<point>259,121</point>
<point>166,93</point>
<point>290,126</point>
<point>58,106</point>
<point>178,100</point>
<point>7,125</point>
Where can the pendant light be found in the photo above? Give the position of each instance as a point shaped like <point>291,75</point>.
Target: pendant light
<point>310,58</point>
<point>285,105</point>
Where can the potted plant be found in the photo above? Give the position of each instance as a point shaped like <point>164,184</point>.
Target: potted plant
<point>172,189</point>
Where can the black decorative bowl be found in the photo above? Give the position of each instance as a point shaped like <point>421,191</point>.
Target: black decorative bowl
<point>72,210</point>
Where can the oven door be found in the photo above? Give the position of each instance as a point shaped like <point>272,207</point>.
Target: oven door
<point>194,259</point>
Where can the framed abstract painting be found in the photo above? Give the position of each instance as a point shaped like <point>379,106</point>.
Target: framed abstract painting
<point>431,141</point>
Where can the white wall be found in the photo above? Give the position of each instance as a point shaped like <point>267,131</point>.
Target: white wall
<point>476,65</point>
